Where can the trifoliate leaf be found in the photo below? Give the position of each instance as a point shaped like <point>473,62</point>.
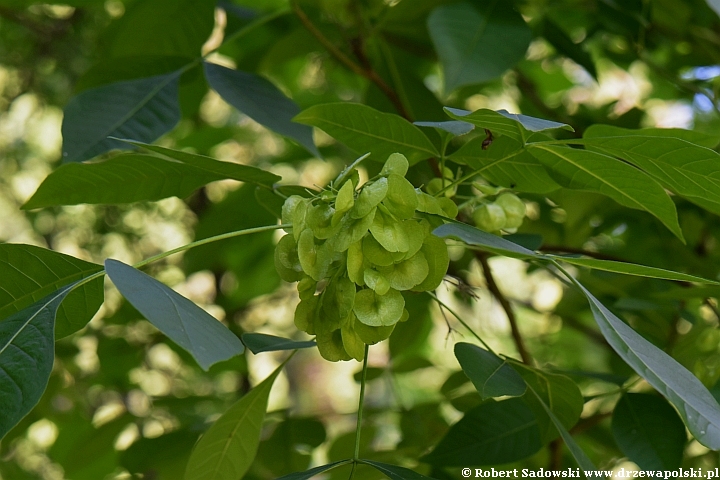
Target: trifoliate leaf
<point>378,310</point>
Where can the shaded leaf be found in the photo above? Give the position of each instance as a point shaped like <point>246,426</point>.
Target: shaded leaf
<point>364,129</point>
<point>586,170</point>
<point>27,350</point>
<point>124,179</point>
<point>188,325</point>
<point>456,127</point>
<point>634,269</point>
<point>698,408</point>
<point>580,457</point>
<point>473,236</point>
<point>649,431</point>
<point>693,136</point>
<point>565,46</point>
<point>687,169</point>
<point>142,110</point>
<point>163,27</point>
<point>314,471</point>
<point>489,434</point>
<point>260,100</point>
<point>506,163</point>
<point>491,375</point>
<point>31,273</point>
<point>229,446</point>
<point>231,170</point>
<point>517,126</point>
<point>556,392</point>
<point>394,472</point>
<point>477,44</point>
<point>260,342</point>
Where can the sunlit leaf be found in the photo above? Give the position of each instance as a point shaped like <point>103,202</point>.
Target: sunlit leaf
<point>364,129</point>
<point>229,446</point>
<point>31,273</point>
<point>517,126</point>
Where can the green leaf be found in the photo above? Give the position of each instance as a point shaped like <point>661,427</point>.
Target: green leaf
<point>587,170</point>
<point>142,110</point>
<point>692,136</point>
<point>260,342</point>
<point>228,448</point>
<point>582,460</point>
<point>489,434</point>
<point>394,472</point>
<point>233,171</point>
<point>130,178</point>
<point>455,127</point>
<point>364,129</point>
<point>634,269</point>
<point>697,406</point>
<point>163,27</point>
<point>558,392</point>
<point>188,325</point>
<point>31,273</point>
<point>27,350</point>
<point>473,236</point>
<point>491,375</point>
<point>516,126</point>
<point>307,474</point>
<point>506,163</point>
<point>687,169</point>
<point>260,100</point>
<point>649,431</point>
<point>476,45</point>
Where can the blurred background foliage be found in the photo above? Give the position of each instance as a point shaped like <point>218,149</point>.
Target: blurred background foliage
<point>123,402</point>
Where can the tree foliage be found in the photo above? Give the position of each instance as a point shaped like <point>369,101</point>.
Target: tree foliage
<point>423,214</point>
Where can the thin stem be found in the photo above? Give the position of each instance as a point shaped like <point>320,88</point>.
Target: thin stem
<point>462,322</point>
<point>495,290</point>
<point>188,246</point>
<point>361,401</point>
<point>366,72</point>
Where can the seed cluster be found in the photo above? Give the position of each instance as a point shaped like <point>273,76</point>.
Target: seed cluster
<point>353,250</point>
<point>505,213</point>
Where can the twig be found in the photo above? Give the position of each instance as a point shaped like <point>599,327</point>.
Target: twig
<point>492,286</point>
<point>365,71</point>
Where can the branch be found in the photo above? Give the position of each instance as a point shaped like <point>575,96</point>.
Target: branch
<point>492,286</point>
<point>364,70</point>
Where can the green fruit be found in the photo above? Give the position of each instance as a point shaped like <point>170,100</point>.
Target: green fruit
<point>514,209</point>
<point>428,203</point>
<point>490,217</point>
<point>376,253</point>
<point>319,219</point>
<point>305,314</point>
<point>352,230</point>
<point>401,199</point>
<point>436,254</point>
<point>408,273</point>
<point>396,164</point>
<point>353,344</point>
<point>376,281</point>
<point>287,262</point>
<point>388,231</point>
<point>378,310</point>
<point>330,345</point>
<point>449,207</point>
<point>371,335</point>
<point>337,303</point>
<point>370,197</point>
<point>356,263</point>
<point>288,208</point>
<point>345,198</point>
<point>315,258</point>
